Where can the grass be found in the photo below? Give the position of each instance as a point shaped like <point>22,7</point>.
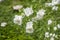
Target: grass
<point>16,32</point>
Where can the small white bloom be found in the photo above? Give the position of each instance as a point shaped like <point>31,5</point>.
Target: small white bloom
<point>58,25</point>
<point>17,7</point>
<point>40,14</point>
<point>3,24</point>
<point>28,11</point>
<point>49,21</point>
<point>18,19</point>
<point>47,34</point>
<point>29,27</point>
<point>52,38</point>
<point>55,28</point>
<point>54,8</point>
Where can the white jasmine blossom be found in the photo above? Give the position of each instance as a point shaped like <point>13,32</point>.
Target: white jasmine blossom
<point>29,27</point>
<point>18,19</point>
<point>58,25</point>
<point>17,7</point>
<point>40,14</point>
<point>49,21</point>
<point>47,34</point>
<point>3,24</point>
<point>55,28</point>
<point>54,8</point>
<point>28,11</point>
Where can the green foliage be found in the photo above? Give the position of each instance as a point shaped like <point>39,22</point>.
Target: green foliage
<point>16,32</point>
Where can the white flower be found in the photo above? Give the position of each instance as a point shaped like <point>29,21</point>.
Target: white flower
<point>47,34</point>
<point>58,25</point>
<point>49,21</point>
<point>55,28</point>
<point>29,27</point>
<point>18,19</point>
<point>28,11</point>
<point>17,7</point>
<point>3,24</point>
<point>40,13</point>
<point>54,8</point>
<point>52,38</point>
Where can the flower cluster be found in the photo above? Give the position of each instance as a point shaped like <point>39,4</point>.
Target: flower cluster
<point>28,11</point>
<point>51,35</point>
